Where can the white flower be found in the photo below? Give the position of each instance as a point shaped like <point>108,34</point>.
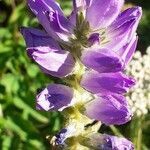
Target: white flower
<point>139,95</point>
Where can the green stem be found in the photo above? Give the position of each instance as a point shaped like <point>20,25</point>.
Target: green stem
<point>139,134</point>
<point>139,139</point>
<point>116,131</point>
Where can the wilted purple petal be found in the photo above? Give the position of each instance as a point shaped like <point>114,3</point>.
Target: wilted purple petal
<point>57,63</point>
<point>51,17</point>
<point>102,60</point>
<point>55,97</point>
<point>109,109</point>
<point>108,142</point>
<point>106,83</point>
<point>123,28</point>
<point>101,14</point>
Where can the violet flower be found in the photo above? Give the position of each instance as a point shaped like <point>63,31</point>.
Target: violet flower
<point>108,142</point>
<point>54,97</point>
<point>45,51</point>
<point>90,50</point>
<point>109,109</point>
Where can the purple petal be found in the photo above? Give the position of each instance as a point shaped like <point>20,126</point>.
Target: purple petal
<point>101,14</point>
<point>109,109</point>
<point>57,63</point>
<point>78,6</point>
<point>128,50</point>
<point>94,39</point>
<point>72,18</point>
<point>47,53</point>
<point>116,143</point>
<point>61,137</point>
<point>55,97</point>
<point>79,3</point>
<point>108,142</point>
<point>127,15</point>
<point>65,133</point>
<point>51,17</point>
<point>102,60</point>
<point>106,83</point>
<point>35,38</point>
<point>123,28</point>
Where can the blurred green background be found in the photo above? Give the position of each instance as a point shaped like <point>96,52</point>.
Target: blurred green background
<point>22,127</point>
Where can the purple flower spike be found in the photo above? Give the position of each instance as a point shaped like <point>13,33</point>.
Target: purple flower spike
<point>51,17</point>
<point>102,60</point>
<point>98,39</point>
<point>108,142</point>
<point>106,83</point>
<point>47,53</point>
<point>122,30</point>
<point>109,109</point>
<point>55,97</point>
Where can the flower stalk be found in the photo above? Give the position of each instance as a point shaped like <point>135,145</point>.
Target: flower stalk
<point>89,51</point>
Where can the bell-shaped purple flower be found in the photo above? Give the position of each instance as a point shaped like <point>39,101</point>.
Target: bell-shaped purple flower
<point>109,109</point>
<point>47,53</point>
<point>106,83</point>
<point>55,97</point>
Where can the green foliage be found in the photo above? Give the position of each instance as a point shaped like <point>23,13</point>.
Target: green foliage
<point>22,127</point>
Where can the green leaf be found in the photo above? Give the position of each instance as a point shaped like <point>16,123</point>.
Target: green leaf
<point>10,82</point>
<point>34,113</point>
<point>32,71</point>
<point>6,145</point>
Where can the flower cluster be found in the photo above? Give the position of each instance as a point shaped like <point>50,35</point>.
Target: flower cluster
<point>89,51</point>
<point>139,96</point>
